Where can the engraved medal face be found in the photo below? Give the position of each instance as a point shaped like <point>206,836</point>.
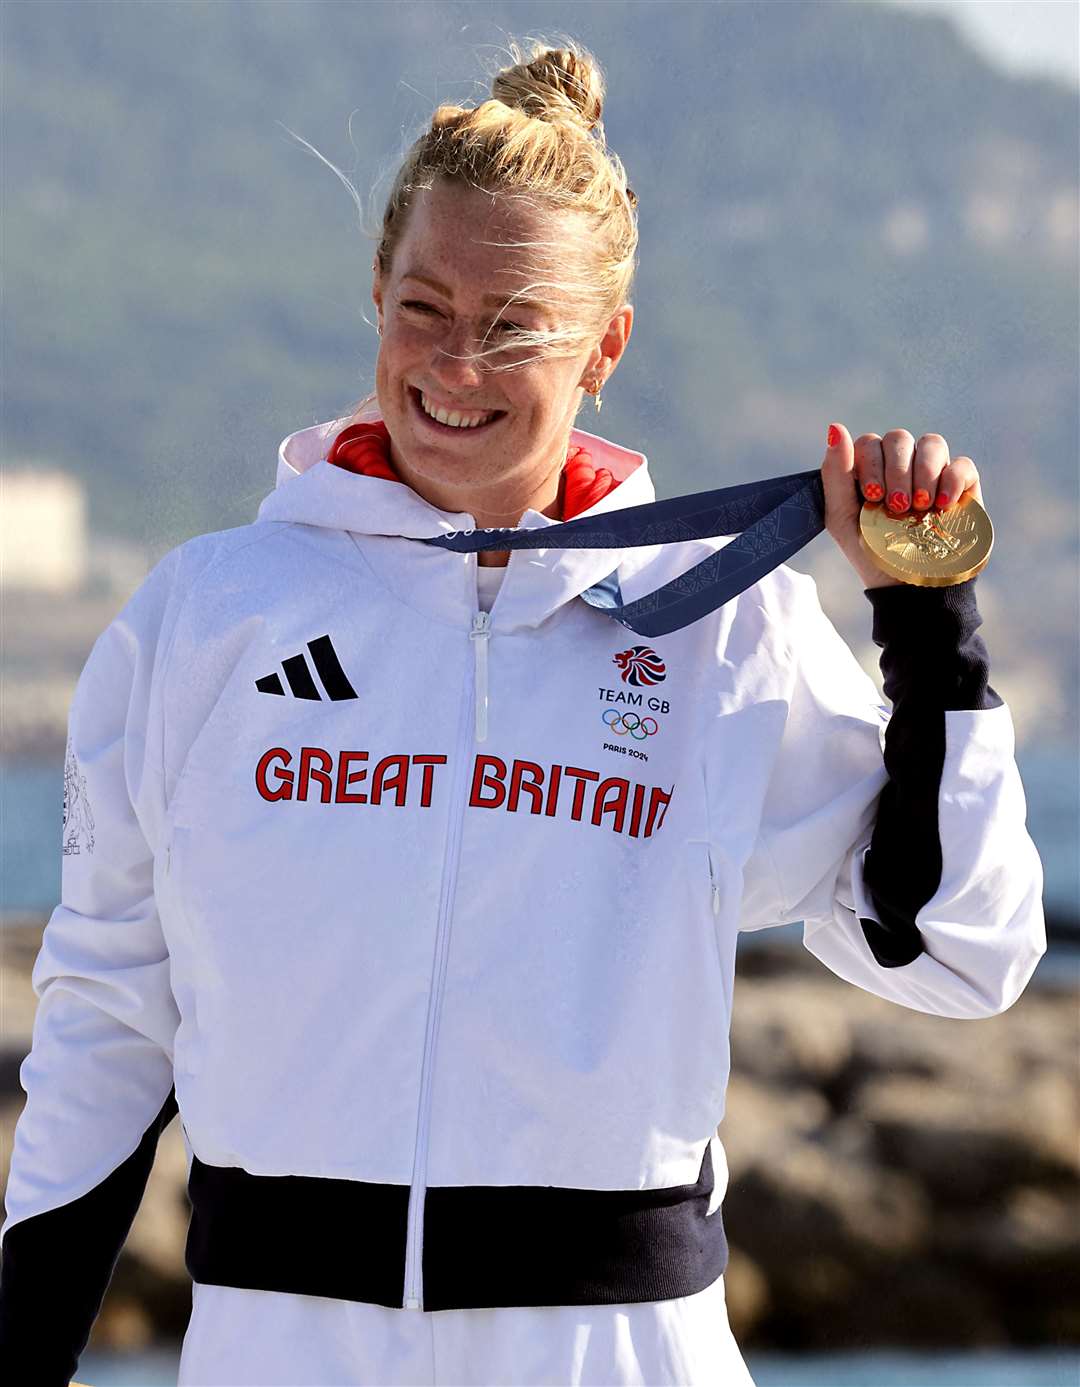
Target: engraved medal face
<point>931,548</point>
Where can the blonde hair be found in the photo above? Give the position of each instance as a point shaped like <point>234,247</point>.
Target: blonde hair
<point>538,139</point>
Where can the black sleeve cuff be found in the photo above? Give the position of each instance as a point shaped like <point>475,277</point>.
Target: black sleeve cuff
<point>929,645</point>
<point>932,661</point>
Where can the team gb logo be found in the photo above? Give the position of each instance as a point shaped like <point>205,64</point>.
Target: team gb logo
<point>640,665</point>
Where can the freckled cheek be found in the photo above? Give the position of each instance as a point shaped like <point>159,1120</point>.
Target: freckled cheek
<point>408,337</point>
<point>400,346</point>
<point>395,362</point>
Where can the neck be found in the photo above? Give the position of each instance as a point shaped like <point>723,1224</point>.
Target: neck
<point>365,447</point>
<point>489,510</point>
<point>499,558</point>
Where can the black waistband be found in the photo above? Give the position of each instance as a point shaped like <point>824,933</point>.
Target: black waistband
<point>484,1245</point>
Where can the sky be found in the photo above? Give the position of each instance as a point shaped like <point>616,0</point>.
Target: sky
<point>1023,36</point>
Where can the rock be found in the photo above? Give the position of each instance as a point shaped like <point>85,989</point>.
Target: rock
<point>746,1291</point>
<point>921,1190</point>
<point>159,1232</point>
<point>966,1142</point>
<point>1041,1222</point>
<point>123,1326</point>
<point>805,1201</point>
<point>769,1120</point>
<point>779,1034</point>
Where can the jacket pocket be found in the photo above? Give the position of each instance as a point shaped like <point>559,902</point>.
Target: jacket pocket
<point>722,926</point>
<point>703,871</point>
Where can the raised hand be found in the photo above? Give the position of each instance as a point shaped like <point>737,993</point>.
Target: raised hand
<point>893,468</point>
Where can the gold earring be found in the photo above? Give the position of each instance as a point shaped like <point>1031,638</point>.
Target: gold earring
<point>595,393</point>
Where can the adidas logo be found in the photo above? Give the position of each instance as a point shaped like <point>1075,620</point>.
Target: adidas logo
<point>301,684</point>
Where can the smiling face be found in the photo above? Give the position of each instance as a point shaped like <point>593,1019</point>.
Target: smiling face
<point>443,293</point>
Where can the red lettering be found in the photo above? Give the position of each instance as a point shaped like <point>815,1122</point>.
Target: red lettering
<point>308,754</point>
<point>657,800</point>
<point>579,789</point>
<point>553,789</point>
<point>482,780</point>
<point>617,806</point>
<point>635,811</point>
<point>531,787</point>
<point>284,777</point>
<point>345,778</point>
<point>381,782</point>
<point>338,776</point>
<point>427,762</point>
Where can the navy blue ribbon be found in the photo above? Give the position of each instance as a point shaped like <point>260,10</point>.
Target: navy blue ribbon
<point>773,519</point>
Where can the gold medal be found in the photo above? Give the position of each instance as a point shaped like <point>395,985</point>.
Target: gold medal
<point>932,549</point>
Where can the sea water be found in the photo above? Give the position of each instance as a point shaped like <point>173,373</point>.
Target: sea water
<point>1047,1367</point>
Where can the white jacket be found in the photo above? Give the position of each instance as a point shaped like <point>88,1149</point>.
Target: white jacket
<point>437,911</point>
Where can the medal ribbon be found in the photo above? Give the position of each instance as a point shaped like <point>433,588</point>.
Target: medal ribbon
<point>773,520</point>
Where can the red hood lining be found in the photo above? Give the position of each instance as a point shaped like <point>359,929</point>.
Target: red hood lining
<point>364,448</point>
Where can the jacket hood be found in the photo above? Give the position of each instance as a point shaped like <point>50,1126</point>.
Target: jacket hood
<point>342,500</point>
<point>310,490</point>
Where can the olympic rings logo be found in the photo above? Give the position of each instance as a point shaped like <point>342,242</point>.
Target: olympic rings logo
<point>622,723</point>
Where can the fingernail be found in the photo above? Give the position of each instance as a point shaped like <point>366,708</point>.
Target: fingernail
<point>921,499</point>
<point>942,499</point>
<point>873,492</point>
<point>834,436</point>
<point>898,501</point>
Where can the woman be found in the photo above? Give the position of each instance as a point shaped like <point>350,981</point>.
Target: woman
<point>416,884</point>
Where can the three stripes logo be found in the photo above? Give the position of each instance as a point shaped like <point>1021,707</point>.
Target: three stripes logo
<point>301,684</point>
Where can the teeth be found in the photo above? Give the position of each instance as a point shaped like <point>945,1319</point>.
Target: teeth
<point>454,418</point>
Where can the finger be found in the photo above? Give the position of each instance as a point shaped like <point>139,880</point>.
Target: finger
<point>931,459</point>
<point>870,466</point>
<point>898,446</point>
<point>838,472</point>
<point>961,475</point>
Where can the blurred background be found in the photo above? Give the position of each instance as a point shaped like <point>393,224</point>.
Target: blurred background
<point>862,211</point>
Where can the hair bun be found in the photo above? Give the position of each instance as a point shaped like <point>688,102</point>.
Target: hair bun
<point>554,84</point>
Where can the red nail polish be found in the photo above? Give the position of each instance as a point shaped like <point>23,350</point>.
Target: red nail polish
<point>898,501</point>
<point>921,499</point>
<point>873,492</point>
<point>834,435</point>
<point>942,499</point>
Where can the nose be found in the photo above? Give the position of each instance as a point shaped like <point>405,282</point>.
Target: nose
<point>450,366</point>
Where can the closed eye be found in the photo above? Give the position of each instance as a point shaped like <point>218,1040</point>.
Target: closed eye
<point>427,308</point>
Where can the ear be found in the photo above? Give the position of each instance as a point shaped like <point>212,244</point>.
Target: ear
<point>612,344</point>
<point>376,292</point>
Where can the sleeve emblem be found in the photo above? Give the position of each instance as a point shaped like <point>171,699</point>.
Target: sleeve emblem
<point>78,831</point>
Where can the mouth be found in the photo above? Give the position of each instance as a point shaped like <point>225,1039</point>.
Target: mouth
<point>449,430</point>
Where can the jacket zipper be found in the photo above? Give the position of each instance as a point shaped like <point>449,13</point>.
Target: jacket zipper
<point>414,1244</point>
<point>481,629</point>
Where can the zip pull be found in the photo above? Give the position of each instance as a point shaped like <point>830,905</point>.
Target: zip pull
<point>715,888</point>
<point>705,843</point>
<point>481,629</point>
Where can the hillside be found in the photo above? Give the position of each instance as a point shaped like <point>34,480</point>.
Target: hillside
<point>185,283</point>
